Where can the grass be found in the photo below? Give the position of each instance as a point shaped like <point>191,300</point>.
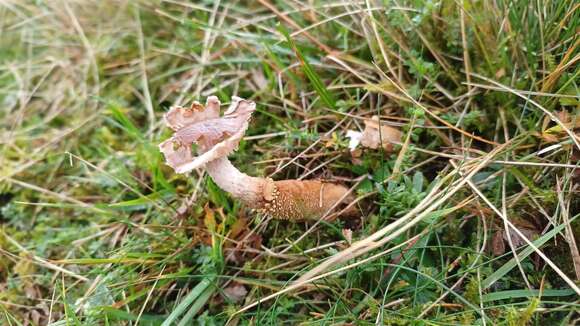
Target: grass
<point>96,230</point>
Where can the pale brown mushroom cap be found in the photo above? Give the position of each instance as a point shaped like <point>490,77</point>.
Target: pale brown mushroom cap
<point>376,135</point>
<point>215,136</point>
<point>179,117</point>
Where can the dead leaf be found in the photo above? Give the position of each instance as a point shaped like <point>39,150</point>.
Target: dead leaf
<point>209,219</point>
<point>575,158</point>
<point>347,233</point>
<point>557,132</point>
<point>235,292</point>
<point>497,243</point>
<point>245,244</point>
<point>238,227</point>
<point>355,157</point>
<point>259,79</point>
<point>35,316</point>
<point>500,73</point>
<point>526,228</point>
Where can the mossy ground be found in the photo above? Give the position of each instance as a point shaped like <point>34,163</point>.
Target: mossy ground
<point>90,231</point>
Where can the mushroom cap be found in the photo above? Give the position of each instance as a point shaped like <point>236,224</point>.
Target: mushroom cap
<point>179,117</point>
<point>215,136</point>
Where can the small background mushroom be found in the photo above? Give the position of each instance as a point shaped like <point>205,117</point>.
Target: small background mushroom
<point>375,135</point>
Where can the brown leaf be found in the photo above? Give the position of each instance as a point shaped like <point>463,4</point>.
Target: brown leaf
<point>238,227</point>
<point>347,233</point>
<point>526,228</point>
<point>239,253</point>
<point>574,159</point>
<point>259,79</point>
<point>35,316</point>
<point>555,133</point>
<point>235,292</point>
<point>209,219</point>
<point>497,243</point>
<point>500,73</point>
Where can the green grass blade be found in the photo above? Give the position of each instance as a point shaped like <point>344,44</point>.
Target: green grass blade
<point>124,121</point>
<point>196,306</point>
<point>511,264</point>
<point>120,315</point>
<point>143,202</point>
<point>315,80</point>
<point>195,294</point>
<point>513,294</point>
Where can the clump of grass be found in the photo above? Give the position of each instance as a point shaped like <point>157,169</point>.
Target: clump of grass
<point>96,230</point>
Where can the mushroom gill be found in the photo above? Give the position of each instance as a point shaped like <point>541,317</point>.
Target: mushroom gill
<point>216,137</point>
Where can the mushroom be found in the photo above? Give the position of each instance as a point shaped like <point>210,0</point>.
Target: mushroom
<point>216,137</point>
<point>375,135</point>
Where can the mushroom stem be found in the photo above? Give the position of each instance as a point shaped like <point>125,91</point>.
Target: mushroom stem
<point>240,185</point>
<point>284,199</point>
